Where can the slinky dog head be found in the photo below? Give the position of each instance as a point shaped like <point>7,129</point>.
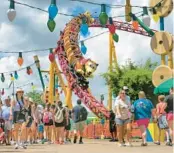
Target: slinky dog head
<point>88,18</point>
<point>90,67</point>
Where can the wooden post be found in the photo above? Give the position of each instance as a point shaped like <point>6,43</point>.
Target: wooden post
<point>51,84</point>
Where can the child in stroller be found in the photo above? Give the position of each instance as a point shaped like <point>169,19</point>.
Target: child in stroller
<point>2,133</point>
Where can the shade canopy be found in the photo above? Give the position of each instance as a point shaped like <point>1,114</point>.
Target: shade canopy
<point>164,87</point>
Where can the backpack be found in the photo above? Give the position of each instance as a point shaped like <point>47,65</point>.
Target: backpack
<point>59,117</point>
<point>46,117</point>
<point>83,114</point>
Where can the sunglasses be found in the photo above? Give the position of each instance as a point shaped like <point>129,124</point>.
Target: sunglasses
<point>123,93</point>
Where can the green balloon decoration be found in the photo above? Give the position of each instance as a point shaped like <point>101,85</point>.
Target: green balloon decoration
<point>51,25</point>
<point>103,17</point>
<point>115,37</point>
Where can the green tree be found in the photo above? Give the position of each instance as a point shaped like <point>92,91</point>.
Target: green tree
<point>136,76</point>
<point>36,96</point>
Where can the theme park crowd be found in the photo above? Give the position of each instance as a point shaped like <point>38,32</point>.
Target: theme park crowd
<point>23,122</point>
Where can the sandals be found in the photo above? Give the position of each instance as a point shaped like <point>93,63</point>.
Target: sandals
<point>144,144</point>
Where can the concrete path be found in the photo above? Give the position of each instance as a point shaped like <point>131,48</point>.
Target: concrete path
<point>90,146</point>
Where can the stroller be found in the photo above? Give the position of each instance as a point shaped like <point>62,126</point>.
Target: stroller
<point>2,133</point>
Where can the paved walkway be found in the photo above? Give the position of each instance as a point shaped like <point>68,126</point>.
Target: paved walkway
<point>90,146</point>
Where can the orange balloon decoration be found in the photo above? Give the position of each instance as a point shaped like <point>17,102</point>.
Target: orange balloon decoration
<point>135,25</point>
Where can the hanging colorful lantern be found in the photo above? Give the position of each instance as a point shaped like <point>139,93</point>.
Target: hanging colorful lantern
<point>51,25</point>
<point>155,16</point>
<point>134,22</point>
<point>2,77</point>
<point>12,78</point>
<point>31,71</point>
<point>103,17</point>
<point>20,59</point>
<point>2,92</point>
<point>111,26</point>
<point>84,28</point>
<point>28,70</point>
<point>16,75</point>
<point>83,48</point>
<point>115,37</point>
<point>51,55</point>
<point>11,13</point>
<point>52,10</point>
<point>146,18</point>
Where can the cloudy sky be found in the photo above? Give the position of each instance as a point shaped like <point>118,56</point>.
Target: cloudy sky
<point>29,32</point>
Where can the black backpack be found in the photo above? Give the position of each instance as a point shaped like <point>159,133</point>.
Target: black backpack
<point>83,114</point>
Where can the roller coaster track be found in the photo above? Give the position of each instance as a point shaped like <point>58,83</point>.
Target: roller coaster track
<point>87,98</point>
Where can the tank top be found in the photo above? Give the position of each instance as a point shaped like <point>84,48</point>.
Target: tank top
<point>18,105</point>
<point>161,108</point>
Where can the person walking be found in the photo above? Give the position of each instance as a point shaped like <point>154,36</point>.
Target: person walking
<point>79,116</point>
<point>161,118</point>
<point>142,110</point>
<point>7,116</point>
<point>122,110</point>
<point>48,122</point>
<point>60,119</point>
<point>18,117</point>
<point>170,116</point>
<point>112,127</point>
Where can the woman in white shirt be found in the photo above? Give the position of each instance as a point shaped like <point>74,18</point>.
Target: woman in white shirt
<point>122,110</point>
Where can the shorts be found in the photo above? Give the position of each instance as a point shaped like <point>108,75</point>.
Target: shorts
<point>170,116</point>
<point>162,122</point>
<point>144,121</point>
<point>121,121</point>
<point>49,124</point>
<point>60,124</point>
<point>8,125</point>
<point>18,117</point>
<point>79,126</point>
<point>112,126</point>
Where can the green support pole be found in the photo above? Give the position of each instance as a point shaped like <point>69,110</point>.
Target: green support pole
<point>40,74</point>
<point>54,85</point>
<point>147,29</point>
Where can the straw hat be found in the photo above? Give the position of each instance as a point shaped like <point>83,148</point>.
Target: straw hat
<point>31,100</point>
<point>19,90</point>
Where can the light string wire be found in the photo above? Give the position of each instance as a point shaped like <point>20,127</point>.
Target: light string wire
<point>112,5</point>
<point>9,72</point>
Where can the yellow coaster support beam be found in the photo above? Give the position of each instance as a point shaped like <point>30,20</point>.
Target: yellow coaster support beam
<point>110,69</point>
<point>51,84</point>
<point>68,98</point>
<point>58,72</point>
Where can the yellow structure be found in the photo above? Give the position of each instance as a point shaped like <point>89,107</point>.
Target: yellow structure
<point>112,60</point>
<point>49,92</point>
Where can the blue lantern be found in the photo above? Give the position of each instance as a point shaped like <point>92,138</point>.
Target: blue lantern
<point>52,10</point>
<point>83,48</point>
<point>16,75</point>
<point>84,28</point>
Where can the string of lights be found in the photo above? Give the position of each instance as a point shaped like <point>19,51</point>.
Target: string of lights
<point>25,51</point>
<point>9,72</point>
<point>21,86</point>
<point>114,5</point>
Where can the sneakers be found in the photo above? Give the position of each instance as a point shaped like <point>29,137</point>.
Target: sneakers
<point>144,144</point>
<point>16,146</point>
<point>157,143</point>
<point>169,144</point>
<point>23,146</point>
<point>128,144</point>
<point>80,142</point>
<point>121,145</point>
